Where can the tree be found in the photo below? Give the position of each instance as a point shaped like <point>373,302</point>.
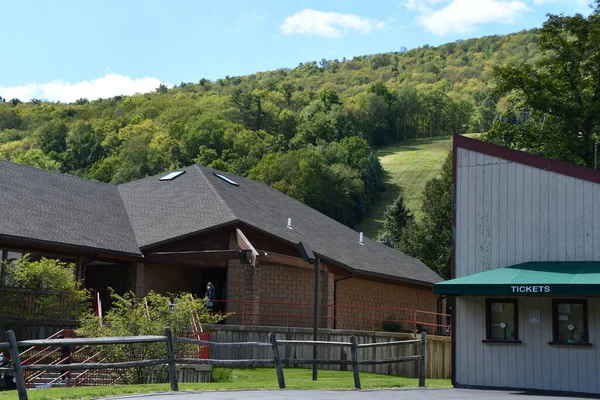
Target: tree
<point>133,316</point>
<point>205,156</point>
<point>84,146</point>
<point>9,119</point>
<point>37,158</point>
<point>52,137</point>
<point>287,89</point>
<point>429,239</point>
<point>564,83</point>
<point>203,131</point>
<point>50,284</point>
<point>296,173</point>
<point>162,88</point>
<point>397,217</point>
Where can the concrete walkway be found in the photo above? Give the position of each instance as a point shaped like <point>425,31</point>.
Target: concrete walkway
<point>395,394</point>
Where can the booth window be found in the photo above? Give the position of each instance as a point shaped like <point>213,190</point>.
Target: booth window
<point>502,320</point>
<point>570,322</point>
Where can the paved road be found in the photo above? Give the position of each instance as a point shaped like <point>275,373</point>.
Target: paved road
<point>395,394</point>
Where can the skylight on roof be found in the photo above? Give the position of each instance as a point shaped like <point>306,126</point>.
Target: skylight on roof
<point>172,175</point>
<point>226,179</point>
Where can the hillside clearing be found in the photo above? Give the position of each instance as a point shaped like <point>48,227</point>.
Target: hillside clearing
<point>408,166</point>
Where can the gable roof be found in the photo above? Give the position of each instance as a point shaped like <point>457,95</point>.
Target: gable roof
<point>51,207</point>
<point>197,200</point>
<point>139,215</point>
<point>521,157</point>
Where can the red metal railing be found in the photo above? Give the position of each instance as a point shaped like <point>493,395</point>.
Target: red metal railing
<point>334,316</point>
<point>92,377</point>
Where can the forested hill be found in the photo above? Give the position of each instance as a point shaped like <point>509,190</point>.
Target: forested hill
<point>307,131</point>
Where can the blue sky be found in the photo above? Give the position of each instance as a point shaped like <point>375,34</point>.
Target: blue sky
<point>64,50</point>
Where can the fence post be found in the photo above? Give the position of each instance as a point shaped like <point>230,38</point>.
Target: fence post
<point>422,370</point>
<point>277,360</point>
<point>354,354</point>
<point>20,379</point>
<point>171,359</point>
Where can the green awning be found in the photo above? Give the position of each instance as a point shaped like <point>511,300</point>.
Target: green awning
<point>529,279</point>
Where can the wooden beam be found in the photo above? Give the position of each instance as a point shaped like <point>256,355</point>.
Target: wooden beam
<point>245,244</point>
<point>306,252</point>
<point>193,257</point>
<point>275,258</point>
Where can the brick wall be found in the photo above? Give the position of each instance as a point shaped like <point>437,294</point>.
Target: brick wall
<point>271,283</point>
<point>285,284</point>
<point>389,299</point>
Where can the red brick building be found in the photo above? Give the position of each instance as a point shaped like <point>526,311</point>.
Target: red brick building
<point>180,230</point>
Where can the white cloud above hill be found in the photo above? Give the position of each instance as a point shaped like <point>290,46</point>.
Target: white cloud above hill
<point>327,24</point>
<point>443,17</point>
<point>109,85</point>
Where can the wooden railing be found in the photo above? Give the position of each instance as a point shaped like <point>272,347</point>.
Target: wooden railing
<point>171,360</point>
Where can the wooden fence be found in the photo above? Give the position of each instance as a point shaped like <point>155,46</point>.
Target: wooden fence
<point>171,360</point>
<point>439,348</point>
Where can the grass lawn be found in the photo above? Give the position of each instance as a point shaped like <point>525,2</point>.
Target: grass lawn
<point>408,166</point>
<point>237,379</point>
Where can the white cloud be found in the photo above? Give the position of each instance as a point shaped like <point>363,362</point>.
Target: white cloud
<point>107,86</point>
<point>457,16</point>
<point>327,24</point>
<point>423,6</point>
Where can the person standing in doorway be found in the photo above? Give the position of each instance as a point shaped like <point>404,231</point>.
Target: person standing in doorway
<point>210,294</point>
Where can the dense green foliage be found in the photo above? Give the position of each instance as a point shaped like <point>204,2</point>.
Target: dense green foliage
<point>555,108</point>
<point>132,316</point>
<point>40,291</point>
<point>304,130</point>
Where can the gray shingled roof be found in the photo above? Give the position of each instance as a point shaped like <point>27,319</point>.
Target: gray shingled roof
<point>56,207</point>
<point>59,208</point>
<point>197,200</point>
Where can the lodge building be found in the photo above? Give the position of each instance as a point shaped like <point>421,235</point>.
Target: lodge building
<point>526,271</point>
<point>179,230</point>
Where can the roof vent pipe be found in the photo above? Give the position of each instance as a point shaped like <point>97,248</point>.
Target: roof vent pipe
<point>289,225</point>
<point>360,238</point>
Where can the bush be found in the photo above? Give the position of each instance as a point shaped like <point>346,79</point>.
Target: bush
<point>391,324</point>
<point>36,292</point>
<point>132,316</point>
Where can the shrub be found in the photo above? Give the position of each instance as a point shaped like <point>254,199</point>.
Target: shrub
<point>132,316</point>
<point>391,324</point>
<point>36,292</point>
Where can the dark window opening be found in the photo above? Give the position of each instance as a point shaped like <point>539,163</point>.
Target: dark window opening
<point>502,320</point>
<point>570,321</point>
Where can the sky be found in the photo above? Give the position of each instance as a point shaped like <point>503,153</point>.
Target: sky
<point>64,50</point>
